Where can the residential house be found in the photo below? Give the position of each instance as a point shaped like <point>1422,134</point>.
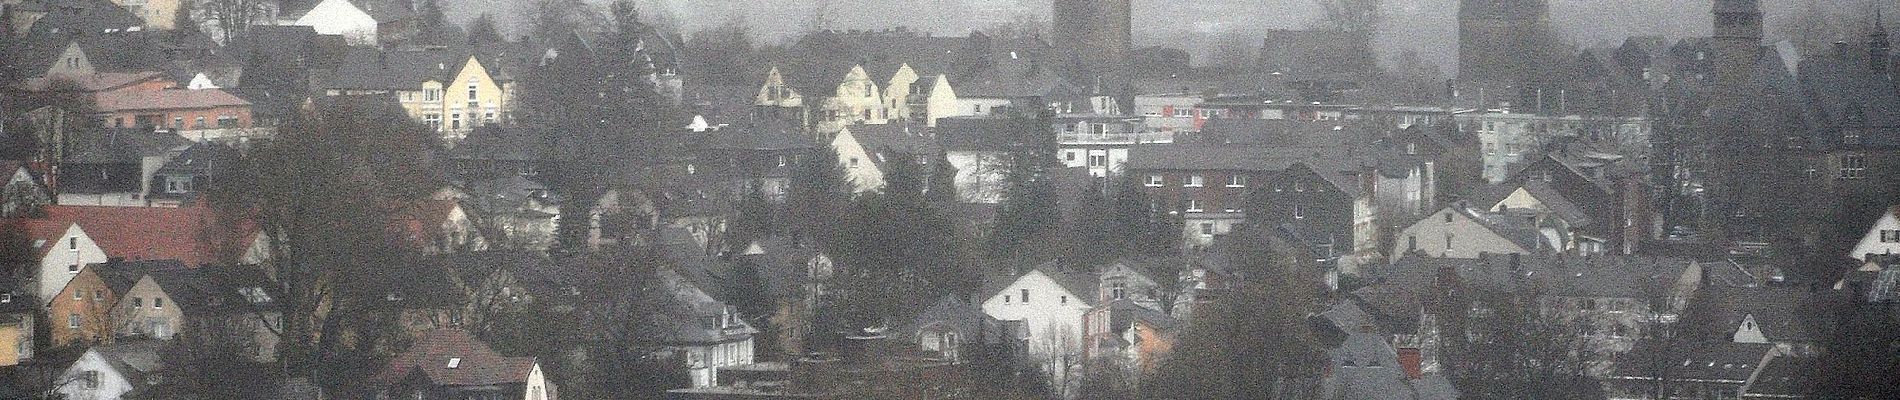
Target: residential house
<point>1883,238</point>
<point>1135,337</point>
<point>706,333</point>
<point>175,109</point>
<point>437,226</point>
<point>19,318</point>
<point>235,303</point>
<point>501,150</point>
<point>1101,142</point>
<point>866,151</point>
<point>794,275</point>
<point>112,167</point>
<point>24,191</point>
<point>1608,194</point>
<point>1510,140</point>
<point>278,63</point>
<point>979,148</point>
<point>833,79</point>
<point>757,155</point>
<point>953,330</point>
<point>1460,232</point>
<point>1172,112</point>
<point>1049,303</point>
<point>110,371</point>
<point>158,14</point>
<point>1710,370</point>
<point>1401,116</point>
<point>515,210</point>
<point>1210,186</point>
<point>67,238</point>
<point>453,364</point>
<point>1611,300</point>
<point>450,91</point>
<point>338,17</point>
<point>1781,316</point>
<point>1365,366</point>
<point>187,177</point>
<point>84,310</point>
<point>1127,279</point>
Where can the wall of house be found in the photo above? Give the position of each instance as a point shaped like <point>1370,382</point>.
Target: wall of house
<point>775,93</point>
<point>456,100</point>
<point>1102,160</point>
<point>980,105</point>
<point>1053,324</point>
<point>85,296</point>
<point>942,101</point>
<point>859,167</point>
<point>11,336</point>
<point>703,361</point>
<point>71,62</point>
<point>154,314</point>
<point>1153,347</point>
<point>63,259</point>
<point>111,385</point>
<point>1877,242</point>
<point>1461,237</point>
<point>186,119</point>
<point>537,384</point>
<point>897,90</point>
<point>857,101</point>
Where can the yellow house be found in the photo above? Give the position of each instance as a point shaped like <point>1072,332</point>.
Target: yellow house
<point>827,98</point>
<point>450,92</point>
<point>16,339</point>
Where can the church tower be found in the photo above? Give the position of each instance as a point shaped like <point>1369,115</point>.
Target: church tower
<point>1503,40</point>
<point>1095,37</point>
<point>1737,46</point>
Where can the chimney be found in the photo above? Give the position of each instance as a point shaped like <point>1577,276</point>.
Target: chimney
<point>1410,359</point>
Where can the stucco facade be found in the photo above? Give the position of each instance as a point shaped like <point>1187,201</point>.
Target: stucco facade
<point>62,260</point>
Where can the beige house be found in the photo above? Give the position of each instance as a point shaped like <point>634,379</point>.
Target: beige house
<point>232,302</point>
<point>1460,232</point>
<point>867,151</point>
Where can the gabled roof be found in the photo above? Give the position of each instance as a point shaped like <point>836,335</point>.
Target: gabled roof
<point>474,363</point>
<point>1720,362</point>
<point>121,146</point>
<point>885,141</point>
<point>170,99</point>
<point>200,158</point>
<point>376,69</point>
<point>1784,315</point>
<point>1084,285</point>
<point>759,134</point>
<point>217,289</point>
<point>1599,276</point>
<point>120,276</point>
<point>187,234</point>
<point>504,142</point>
<point>1552,200</point>
<point>693,317</point>
<point>1847,96</point>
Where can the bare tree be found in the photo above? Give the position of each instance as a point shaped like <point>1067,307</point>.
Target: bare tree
<point>1351,15</point>
<point>224,19</point>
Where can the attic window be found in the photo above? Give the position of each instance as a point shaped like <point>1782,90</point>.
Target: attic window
<point>455,362</point>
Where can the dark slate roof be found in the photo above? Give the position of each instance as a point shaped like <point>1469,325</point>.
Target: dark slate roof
<point>894,139</point>
<point>1725,362</point>
<point>119,276</point>
<point>1785,377</point>
<point>1600,276</point>
<point>1558,205</point>
<point>693,317</point>
<point>121,146</point>
<point>1520,230</point>
<point>983,133</point>
<point>1084,285</point>
<point>375,69</point>
<point>216,289</point>
<point>200,159</point>
<point>507,195</point>
<point>780,263</point>
<point>692,261</point>
<point>1784,315</point>
<point>68,17</point>
<point>820,60</point>
<point>759,134</point>
<point>476,363</point>
<point>953,314</point>
<point>1846,96</point>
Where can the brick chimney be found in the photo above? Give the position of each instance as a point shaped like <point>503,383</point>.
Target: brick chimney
<point>1409,360</point>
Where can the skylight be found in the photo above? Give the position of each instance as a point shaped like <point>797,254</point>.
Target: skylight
<point>455,362</point>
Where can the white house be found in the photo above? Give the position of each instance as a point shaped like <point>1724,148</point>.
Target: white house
<point>708,333</point>
<point>340,17</point>
<point>1460,232</point>
<point>1050,305</point>
<point>1883,238</point>
<point>867,151</point>
<point>61,255</point>
<point>108,372</point>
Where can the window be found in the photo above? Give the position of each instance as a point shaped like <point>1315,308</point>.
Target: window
<point>1193,205</point>
<point>1098,129</point>
<point>432,95</point>
<point>1618,330</point>
<point>1889,236</point>
<point>1411,243</point>
<point>177,184</point>
<point>79,294</point>
<point>226,121</point>
<point>72,320</point>
<point>1207,229</point>
<point>1154,180</point>
<point>1098,160</point>
<point>1118,290</point>
<point>1068,156</point>
<point>72,243</point>
<point>1064,300</point>
<point>1411,148</point>
<point>1025,293</point>
<point>99,294</point>
<point>178,122</point>
<point>1006,299</point>
<point>91,378</point>
<point>198,123</point>
<point>1193,181</point>
<point>158,302</point>
<point>138,302</point>
<point>455,121</point>
<point>1587,304</point>
<point>1237,181</point>
<point>854,162</point>
<point>72,269</point>
<point>1299,212</point>
<point>471,91</point>
<point>433,120</point>
<point>1183,112</point>
<point>1447,242</point>
<point>1853,167</point>
<point>1447,217</point>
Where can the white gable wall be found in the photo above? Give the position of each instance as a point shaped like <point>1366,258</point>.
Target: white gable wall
<point>1054,325</point>
<point>111,384</point>
<point>339,17</point>
<point>1871,243</point>
<point>859,167</point>
<point>1461,237</point>
<point>57,266</point>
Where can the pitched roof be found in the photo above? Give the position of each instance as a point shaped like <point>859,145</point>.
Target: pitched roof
<point>504,142</point>
<point>1784,315</point>
<point>217,289</point>
<point>1725,362</point>
<point>120,146</point>
<point>187,234</point>
<point>172,99</point>
<point>120,276</point>
<point>1597,276</point>
<point>376,69</point>
<point>693,317</point>
<point>1084,285</point>
<point>453,357</point>
<point>759,134</point>
<point>984,133</point>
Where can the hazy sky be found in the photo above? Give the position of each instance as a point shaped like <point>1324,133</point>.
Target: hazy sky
<point>1425,25</point>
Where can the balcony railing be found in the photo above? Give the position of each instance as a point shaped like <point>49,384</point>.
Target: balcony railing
<point>1116,138</point>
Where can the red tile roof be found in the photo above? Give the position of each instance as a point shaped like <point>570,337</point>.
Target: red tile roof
<point>169,99</point>
<point>479,365</point>
<point>187,234</point>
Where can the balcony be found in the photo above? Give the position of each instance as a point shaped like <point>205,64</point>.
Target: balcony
<point>1115,138</point>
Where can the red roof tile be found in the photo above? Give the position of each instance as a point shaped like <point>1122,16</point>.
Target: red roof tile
<point>169,99</point>
<point>478,366</point>
<point>187,234</point>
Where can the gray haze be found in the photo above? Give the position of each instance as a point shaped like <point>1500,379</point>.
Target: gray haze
<point>1428,26</point>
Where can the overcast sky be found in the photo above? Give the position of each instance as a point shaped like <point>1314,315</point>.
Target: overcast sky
<point>1425,25</point>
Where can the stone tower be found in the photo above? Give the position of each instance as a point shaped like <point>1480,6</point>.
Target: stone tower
<point>1737,47</point>
<point>1504,40</point>
<point>1094,36</point>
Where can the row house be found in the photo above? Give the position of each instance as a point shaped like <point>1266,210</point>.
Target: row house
<point>66,238</point>
<point>452,92</point>
<point>867,151</point>
<point>843,78</point>
<point>1210,187</point>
